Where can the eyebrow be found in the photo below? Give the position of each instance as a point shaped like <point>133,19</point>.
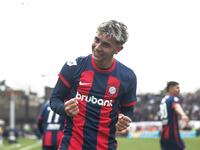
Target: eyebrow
<point>96,38</point>
<point>103,41</point>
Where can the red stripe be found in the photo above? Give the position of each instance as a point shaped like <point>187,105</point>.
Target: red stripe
<point>130,104</point>
<point>175,129</point>
<point>40,118</point>
<point>59,137</point>
<point>104,121</point>
<point>48,139</point>
<point>63,79</point>
<point>174,104</point>
<point>76,141</point>
<point>166,132</point>
<point>101,70</point>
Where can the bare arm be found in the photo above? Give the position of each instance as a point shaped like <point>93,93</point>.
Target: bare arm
<point>180,111</point>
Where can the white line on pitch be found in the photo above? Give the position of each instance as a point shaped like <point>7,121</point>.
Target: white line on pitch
<point>30,147</point>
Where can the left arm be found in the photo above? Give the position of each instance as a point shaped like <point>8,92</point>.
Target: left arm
<point>124,119</point>
<point>127,111</point>
<point>128,100</point>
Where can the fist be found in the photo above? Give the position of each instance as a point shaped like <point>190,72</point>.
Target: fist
<point>71,107</point>
<point>123,122</point>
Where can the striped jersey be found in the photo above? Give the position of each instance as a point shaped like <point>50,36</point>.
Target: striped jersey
<point>169,117</point>
<point>99,93</point>
<point>51,126</point>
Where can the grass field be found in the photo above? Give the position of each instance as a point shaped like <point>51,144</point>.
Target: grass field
<point>123,144</point>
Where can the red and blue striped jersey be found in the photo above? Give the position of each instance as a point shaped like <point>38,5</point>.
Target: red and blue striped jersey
<point>169,117</point>
<point>99,93</point>
<point>51,126</point>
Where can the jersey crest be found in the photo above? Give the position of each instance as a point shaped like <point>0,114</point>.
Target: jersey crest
<point>112,90</point>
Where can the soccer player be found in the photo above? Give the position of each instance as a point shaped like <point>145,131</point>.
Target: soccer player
<point>51,126</point>
<point>170,108</point>
<point>93,87</point>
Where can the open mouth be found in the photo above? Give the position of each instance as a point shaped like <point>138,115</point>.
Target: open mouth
<point>96,54</point>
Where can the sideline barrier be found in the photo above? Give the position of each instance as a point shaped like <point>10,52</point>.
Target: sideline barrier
<point>145,134</point>
<point>145,129</point>
<point>188,134</point>
<point>156,134</point>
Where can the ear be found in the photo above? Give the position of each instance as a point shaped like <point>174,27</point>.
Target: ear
<point>120,47</point>
<point>171,89</point>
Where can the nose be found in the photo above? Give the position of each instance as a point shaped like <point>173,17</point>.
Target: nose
<point>98,47</point>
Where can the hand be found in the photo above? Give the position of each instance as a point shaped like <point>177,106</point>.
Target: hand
<point>71,107</point>
<point>186,119</point>
<point>123,122</point>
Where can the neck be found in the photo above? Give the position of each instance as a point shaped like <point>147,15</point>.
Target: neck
<point>104,65</point>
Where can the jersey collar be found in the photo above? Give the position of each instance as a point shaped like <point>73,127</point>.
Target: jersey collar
<point>102,70</point>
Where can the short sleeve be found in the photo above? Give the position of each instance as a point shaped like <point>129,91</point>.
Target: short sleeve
<point>175,100</point>
<point>129,98</point>
<point>67,72</point>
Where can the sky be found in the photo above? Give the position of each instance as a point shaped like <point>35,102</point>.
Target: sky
<point>38,36</point>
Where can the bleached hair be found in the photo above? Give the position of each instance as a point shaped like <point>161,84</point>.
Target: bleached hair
<point>115,29</point>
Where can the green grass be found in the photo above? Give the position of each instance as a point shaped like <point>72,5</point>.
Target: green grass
<point>152,144</point>
<point>123,144</point>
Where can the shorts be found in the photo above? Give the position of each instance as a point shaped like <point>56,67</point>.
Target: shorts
<point>172,144</point>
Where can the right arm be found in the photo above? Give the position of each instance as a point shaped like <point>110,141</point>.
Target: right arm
<point>57,104</point>
<point>40,124</point>
<point>41,116</point>
<point>59,95</point>
<point>61,90</point>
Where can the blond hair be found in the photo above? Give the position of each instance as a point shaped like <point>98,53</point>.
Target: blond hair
<point>115,29</point>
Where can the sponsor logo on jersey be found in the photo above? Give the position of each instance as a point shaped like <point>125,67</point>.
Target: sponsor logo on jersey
<point>165,121</point>
<point>94,100</point>
<point>53,127</point>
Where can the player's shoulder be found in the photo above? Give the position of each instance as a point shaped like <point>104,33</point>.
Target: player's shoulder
<point>82,59</point>
<point>174,98</point>
<point>74,62</point>
<point>47,104</point>
<point>126,71</point>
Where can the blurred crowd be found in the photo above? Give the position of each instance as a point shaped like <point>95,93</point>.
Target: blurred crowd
<point>146,109</point>
<point>147,106</point>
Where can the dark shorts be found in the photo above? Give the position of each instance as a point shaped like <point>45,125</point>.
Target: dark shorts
<point>50,148</point>
<point>172,144</point>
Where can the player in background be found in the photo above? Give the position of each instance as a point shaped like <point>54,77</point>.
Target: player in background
<point>92,88</point>
<point>51,126</point>
<point>170,109</point>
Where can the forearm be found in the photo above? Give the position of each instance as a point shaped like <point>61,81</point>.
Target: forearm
<point>57,106</point>
<point>58,97</point>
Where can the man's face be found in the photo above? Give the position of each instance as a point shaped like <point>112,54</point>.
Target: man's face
<point>176,90</point>
<point>103,49</point>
